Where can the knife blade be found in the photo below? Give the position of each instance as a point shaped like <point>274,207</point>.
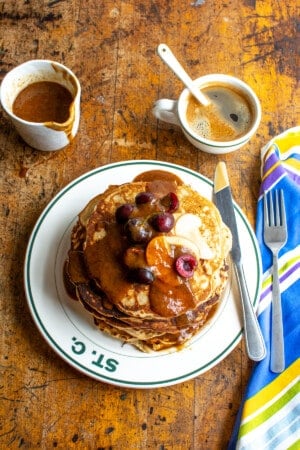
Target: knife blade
<point>255,344</point>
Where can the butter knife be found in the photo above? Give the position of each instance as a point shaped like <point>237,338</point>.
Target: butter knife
<point>255,345</point>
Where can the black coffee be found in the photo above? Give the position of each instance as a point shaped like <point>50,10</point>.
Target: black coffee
<point>228,117</point>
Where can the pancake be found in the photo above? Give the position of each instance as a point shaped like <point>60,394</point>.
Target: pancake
<point>147,260</point>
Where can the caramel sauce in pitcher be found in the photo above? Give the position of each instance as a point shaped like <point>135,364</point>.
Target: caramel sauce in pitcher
<point>43,101</point>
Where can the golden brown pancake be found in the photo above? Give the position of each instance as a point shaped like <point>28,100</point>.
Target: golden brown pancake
<point>150,273</point>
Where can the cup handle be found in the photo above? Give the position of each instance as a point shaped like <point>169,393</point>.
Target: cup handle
<point>166,110</point>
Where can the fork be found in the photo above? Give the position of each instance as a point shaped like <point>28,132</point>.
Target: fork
<point>275,236</point>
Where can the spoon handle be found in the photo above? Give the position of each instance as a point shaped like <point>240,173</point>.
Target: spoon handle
<point>169,58</point>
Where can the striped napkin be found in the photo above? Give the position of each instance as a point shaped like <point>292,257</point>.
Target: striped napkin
<point>269,417</point>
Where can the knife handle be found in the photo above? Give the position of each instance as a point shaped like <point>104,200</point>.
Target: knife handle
<point>255,344</point>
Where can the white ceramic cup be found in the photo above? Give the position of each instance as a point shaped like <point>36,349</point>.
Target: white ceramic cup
<point>42,136</point>
<point>174,111</point>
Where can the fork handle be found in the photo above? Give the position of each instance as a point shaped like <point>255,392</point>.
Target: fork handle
<point>254,340</point>
<point>277,342</point>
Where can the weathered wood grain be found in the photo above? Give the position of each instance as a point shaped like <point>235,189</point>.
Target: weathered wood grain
<point>111,46</point>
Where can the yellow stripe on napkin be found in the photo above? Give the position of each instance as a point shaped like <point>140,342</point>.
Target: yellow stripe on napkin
<point>286,145</point>
<point>273,389</point>
<point>286,141</point>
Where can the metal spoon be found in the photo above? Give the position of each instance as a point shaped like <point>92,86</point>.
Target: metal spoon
<point>168,57</point>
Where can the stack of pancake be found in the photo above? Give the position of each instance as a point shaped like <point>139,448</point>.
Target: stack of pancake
<point>148,281</point>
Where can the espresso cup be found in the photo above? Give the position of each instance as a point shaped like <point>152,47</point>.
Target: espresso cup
<point>34,77</point>
<point>225,125</point>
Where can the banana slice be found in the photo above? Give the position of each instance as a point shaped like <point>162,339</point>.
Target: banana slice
<point>188,226</point>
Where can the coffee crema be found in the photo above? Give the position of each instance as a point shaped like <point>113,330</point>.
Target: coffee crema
<point>43,101</point>
<point>228,117</point>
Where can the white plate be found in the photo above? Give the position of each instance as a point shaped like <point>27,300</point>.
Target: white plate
<point>70,331</point>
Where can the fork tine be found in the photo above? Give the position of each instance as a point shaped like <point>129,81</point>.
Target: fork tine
<point>272,218</point>
<point>282,208</point>
<point>277,208</point>
<point>266,212</point>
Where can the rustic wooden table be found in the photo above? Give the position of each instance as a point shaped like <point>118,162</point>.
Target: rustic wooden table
<point>111,46</point>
